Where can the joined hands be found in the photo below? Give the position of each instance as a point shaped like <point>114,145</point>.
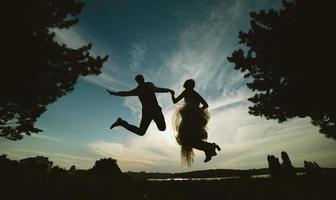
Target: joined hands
<point>172,92</point>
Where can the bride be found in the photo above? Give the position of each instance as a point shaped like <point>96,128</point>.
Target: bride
<point>190,124</point>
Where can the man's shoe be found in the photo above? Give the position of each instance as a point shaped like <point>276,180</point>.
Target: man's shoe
<point>118,122</point>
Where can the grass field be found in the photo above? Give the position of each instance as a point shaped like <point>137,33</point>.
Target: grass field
<point>66,186</point>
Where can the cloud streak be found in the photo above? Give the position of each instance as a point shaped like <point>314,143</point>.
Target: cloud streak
<point>45,137</point>
<point>74,39</point>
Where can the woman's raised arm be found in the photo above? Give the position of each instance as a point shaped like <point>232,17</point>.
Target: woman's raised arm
<point>177,99</point>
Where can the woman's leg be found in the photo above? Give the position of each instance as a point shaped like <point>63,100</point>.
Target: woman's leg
<point>144,124</point>
<point>208,148</point>
<point>202,145</point>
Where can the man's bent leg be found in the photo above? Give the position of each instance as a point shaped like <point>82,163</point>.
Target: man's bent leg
<point>159,120</point>
<point>145,121</point>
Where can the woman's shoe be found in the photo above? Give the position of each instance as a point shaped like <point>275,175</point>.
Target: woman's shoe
<point>118,122</point>
<point>214,146</point>
<point>207,157</point>
<point>211,152</point>
<point>217,147</point>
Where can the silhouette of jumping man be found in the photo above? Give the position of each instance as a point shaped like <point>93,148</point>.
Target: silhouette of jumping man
<point>151,109</point>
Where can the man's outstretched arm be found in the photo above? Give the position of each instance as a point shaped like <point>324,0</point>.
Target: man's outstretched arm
<point>162,90</point>
<point>122,93</point>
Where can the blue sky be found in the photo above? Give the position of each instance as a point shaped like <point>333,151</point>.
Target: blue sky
<point>168,42</point>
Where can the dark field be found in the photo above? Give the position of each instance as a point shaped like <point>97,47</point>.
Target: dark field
<point>66,186</point>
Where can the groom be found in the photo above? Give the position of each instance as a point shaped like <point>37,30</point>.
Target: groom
<point>151,110</point>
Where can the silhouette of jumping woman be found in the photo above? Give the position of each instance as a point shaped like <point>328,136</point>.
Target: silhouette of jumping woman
<point>151,110</point>
<point>190,124</point>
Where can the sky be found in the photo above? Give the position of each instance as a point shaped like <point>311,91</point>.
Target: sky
<point>168,42</point>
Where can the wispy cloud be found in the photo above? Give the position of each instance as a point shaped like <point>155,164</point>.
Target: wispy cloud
<point>46,137</point>
<point>73,38</point>
<point>105,81</point>
<point>21,153</point>
<point>137,55</point>
<point>73,157</point>
<point>201,54</point>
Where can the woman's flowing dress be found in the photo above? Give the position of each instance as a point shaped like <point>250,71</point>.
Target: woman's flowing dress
<point>190,126</point>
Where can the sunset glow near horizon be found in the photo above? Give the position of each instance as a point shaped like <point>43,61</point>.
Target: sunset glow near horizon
<point>168,42</point>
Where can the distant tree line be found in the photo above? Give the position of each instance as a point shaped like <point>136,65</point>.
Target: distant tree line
<point>108,167</point>
<point>41,164</point>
